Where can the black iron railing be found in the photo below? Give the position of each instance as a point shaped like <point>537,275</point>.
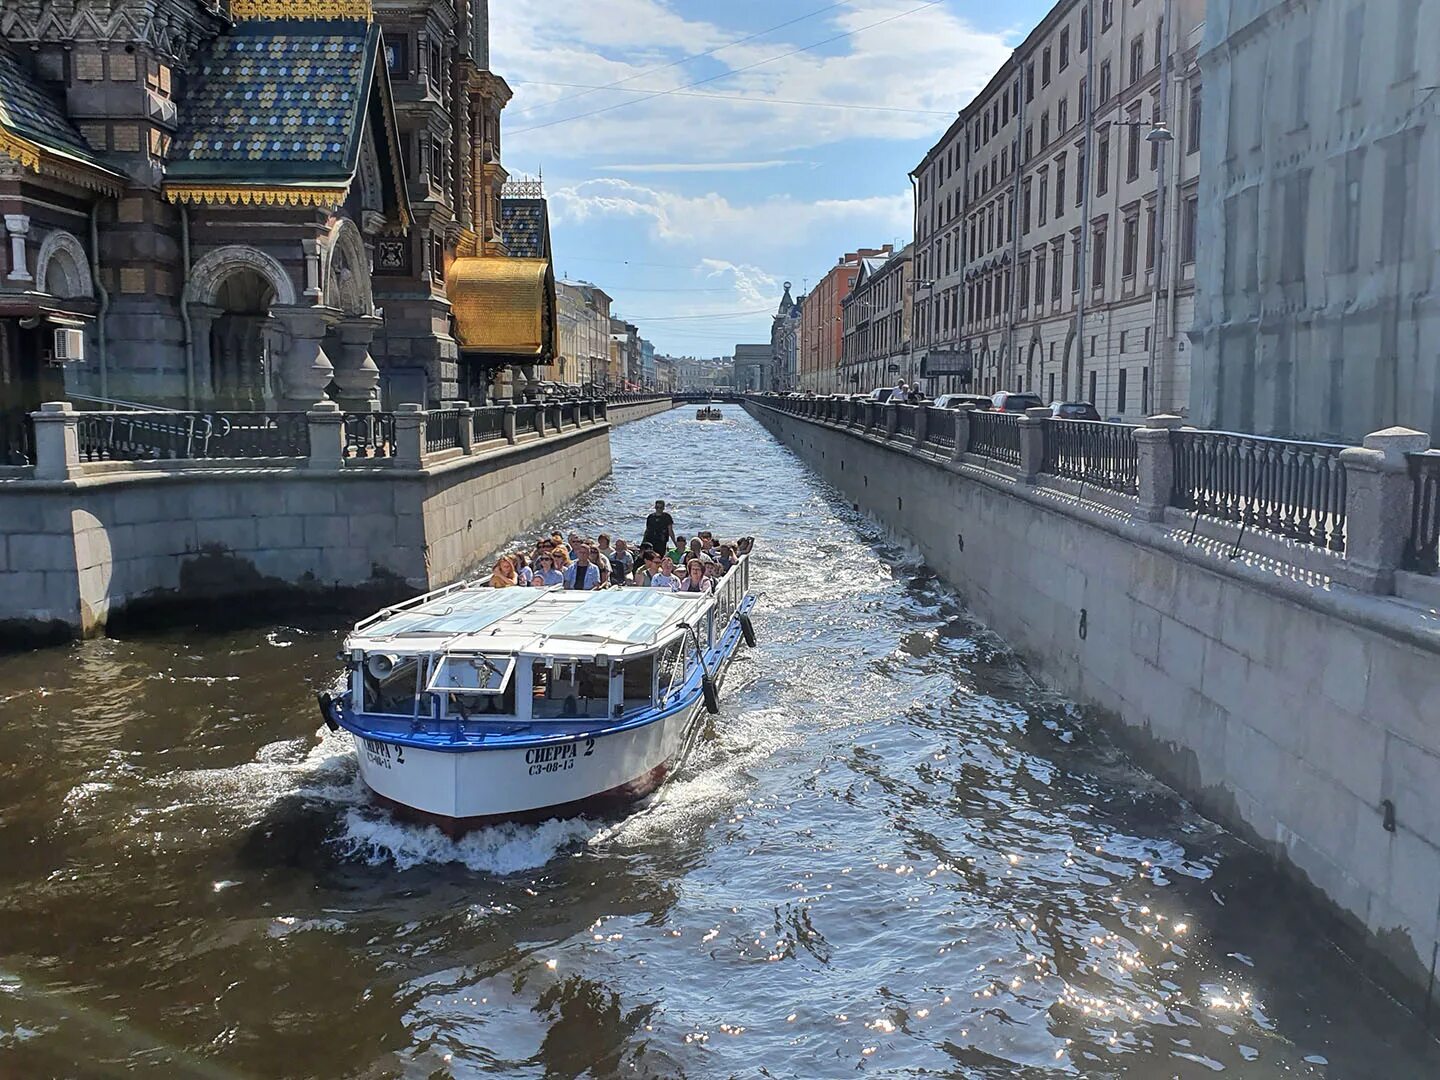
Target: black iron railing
<point>1422,549</point>
<point>442,430</point>
<point>939,427</point>
<point>570,413</point>
<point>905,421</point>
<point>1293,489</point>
<point>525,417</point>
<point>1098,454</point>
<point>995,435</point>
<point>487,423</point>
<point>17,439</point>
<point>148,436</point>
<point>369,435</point>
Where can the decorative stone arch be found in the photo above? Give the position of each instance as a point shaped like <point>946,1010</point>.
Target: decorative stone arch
<point>347,270</point>
<point>62,268</point>
<point>207,275</point>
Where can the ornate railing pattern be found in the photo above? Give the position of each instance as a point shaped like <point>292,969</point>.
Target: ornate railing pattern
<point>442,430</point>
<point>151,436</point>
<point>1422,548</point>
<point>369,435</point>
<point>525,417</point>
<point>939,428</point>
<point>995,435</point>
<point>17,439</point>
<point>1098,454</point>
<point>1293,489</point>
<point>487,423</point>
<point>905,421</point>
<point>570,413</point>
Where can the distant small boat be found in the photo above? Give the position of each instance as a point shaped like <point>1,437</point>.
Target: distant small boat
<point>709,414</point>
<point>470,706</point>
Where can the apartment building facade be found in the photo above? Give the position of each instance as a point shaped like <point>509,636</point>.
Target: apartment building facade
<point>876,344</point>
<point>1056,219</point>
<point>1318,312</point>
<point>584,325</point>
<point>822,323</point>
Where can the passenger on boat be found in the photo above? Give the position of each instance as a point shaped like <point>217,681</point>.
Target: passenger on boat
<point>659,527</point>
<point>694,581</point>
<point>545,572</point>
<point>503,576</point>
<point>523,573</point>
<point>666,578</point>
<point>727,558</point>
<point>677,553</point>
<point>582,573</point>
<point>647,566</point>
<point>622,566</point>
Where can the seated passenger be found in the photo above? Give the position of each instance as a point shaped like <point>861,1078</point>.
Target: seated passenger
<point>621,564</point>
<point>727,558</point>
<point>582,573</point>
<point>666,578</point>
<point>503,576</point>
<point>694,581</point>
<point>677,553</point>
<point>546,573</point>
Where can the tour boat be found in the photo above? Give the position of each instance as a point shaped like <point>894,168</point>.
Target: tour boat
<point>709,414</point>
<point>470,706</point>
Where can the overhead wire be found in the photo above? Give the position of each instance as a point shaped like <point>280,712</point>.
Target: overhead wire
<point>751,99</point>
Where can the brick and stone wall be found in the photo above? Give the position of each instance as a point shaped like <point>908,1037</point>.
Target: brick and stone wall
<point>1295,710</point>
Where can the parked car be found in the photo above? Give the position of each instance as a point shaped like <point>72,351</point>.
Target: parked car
<point>1006,401</point>
<point>955,401</point>
<point>1074,410</point>
<point>882,393</point>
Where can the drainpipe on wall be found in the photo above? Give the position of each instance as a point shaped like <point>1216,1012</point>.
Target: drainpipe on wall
<point>185,307</point>
<point>104,294</point>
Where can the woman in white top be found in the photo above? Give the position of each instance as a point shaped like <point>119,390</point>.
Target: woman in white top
<point>694,580</point>
<point>666,578</point>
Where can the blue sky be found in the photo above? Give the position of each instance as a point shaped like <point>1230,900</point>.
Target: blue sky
<point>692,208</point>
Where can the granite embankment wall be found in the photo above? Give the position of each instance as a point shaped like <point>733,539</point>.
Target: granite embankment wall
<point>78,552</point>
<point>1297,711</point>
<point>639,410</point>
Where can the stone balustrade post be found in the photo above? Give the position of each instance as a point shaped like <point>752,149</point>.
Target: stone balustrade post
<point>507,422</point>
<point>1155,466</point>
<point>1032,443</point>
<point>409,435</point>
<point>57,440</point>
<point>892,418</point>
<point>539,420</point>
<point>1378,506</point>
<point>327,435</point>
<point>922,424</point>
<point>962,432</point>
<point>604,407</point>
<point>467,424</point>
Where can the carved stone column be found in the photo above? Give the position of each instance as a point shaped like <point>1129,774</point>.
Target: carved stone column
<point>202,319</point>
<point>356,374</point>
<point>304,370</point>
<point>18,226</point>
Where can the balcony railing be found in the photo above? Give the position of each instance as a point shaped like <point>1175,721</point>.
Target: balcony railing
<point>369,435</point>
<point>1293,489</point>
<point>995,435</point>
<point>155,436</point>
<point>442,430</point>
<point>1422,549</point>
<point>1098,454</point>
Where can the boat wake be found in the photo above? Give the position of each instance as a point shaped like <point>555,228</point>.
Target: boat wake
<point>369,835</point>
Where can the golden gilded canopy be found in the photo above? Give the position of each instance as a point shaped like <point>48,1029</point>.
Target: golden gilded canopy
<point>501,304</point>
<point>300,9</point>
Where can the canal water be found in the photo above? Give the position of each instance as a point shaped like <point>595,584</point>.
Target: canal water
<point>891,854</point>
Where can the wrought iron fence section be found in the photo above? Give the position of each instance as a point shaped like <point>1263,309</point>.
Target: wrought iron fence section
<point>487,423</point>
<point>1422,548</point>
<point>940,427</point>
<point>905,421</point>
<point>995,435</point>
<point>17,439</point>
<point>525,418</point>
<point>1099,454</point>
<point>156,436</point>
<point>442,430</point>
<point>1293,489</point>
<point>369,435</point>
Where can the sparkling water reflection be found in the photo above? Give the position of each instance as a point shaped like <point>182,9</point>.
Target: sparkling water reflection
<point>891,854</point>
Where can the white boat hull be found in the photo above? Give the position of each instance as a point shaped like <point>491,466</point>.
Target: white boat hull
<point>468,789</point>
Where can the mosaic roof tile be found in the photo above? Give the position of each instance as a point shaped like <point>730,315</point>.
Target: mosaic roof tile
<point>279,101</point>
<point>30,112</point>
<point>524,226</point>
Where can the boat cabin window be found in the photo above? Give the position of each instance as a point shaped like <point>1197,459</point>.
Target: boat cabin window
<point>479,706</point>
<point>564,688</point>
<point>676,661</point>
<point>638,676</point>
<point>390,689</point>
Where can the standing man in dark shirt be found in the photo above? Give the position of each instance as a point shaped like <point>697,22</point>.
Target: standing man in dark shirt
<point>659,527</point>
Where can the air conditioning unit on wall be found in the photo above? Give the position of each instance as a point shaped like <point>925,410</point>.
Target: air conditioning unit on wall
<point>69,346</point>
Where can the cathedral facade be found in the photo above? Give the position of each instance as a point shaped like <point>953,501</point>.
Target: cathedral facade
<point>260,204</point>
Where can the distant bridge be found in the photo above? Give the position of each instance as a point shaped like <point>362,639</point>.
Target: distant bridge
<point>725,397</point>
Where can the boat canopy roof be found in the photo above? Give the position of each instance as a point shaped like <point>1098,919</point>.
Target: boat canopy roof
<point>555,621</point>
